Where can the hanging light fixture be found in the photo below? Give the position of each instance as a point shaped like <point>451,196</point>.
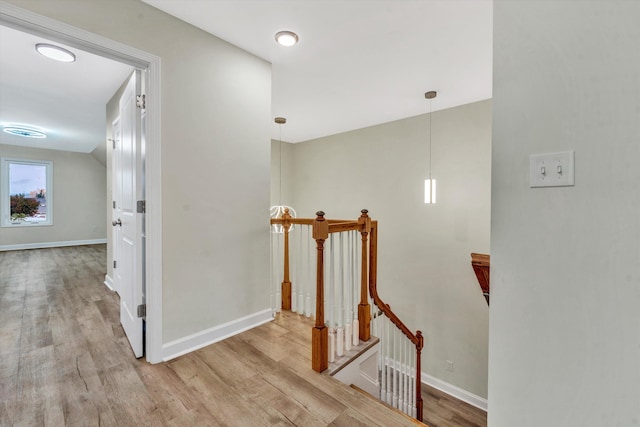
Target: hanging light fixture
<point>278,210</point>
<point>430,183</point>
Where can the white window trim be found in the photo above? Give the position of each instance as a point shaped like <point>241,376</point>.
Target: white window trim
<point>5,213</point>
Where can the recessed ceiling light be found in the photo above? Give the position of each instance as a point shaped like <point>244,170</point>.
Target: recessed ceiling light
<point>25,132</point>
<point>55,52</point>
<point>287,38</point>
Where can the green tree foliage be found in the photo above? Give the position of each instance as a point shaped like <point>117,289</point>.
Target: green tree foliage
<point>23,205</point>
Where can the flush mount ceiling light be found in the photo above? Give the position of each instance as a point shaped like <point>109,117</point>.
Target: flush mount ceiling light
<point>55,52</point>
<point>25,132</point>
<point>287,38</point>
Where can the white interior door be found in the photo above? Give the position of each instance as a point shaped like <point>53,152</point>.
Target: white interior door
<point>128,233</point>
<point>115,195</point>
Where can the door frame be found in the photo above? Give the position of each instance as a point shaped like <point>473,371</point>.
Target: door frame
<point>33,23</point>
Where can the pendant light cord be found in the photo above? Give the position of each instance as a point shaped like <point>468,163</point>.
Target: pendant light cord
<point>280,166</point>
<point>430,113</point>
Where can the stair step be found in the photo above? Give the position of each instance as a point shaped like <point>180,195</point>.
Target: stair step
<point>349,356</point>
<point>416,422</point>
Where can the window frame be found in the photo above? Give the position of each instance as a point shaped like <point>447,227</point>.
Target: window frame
<point>5,203</point>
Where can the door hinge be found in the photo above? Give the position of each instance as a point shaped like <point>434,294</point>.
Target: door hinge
<point>141,206</point>
<point>114,263</point>
<point>141,101</point>
<point>142,310</point>
<point>114,204</point>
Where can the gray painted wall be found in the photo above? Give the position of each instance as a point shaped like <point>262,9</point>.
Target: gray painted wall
<point>216,101</point>
<point>79,194</point>
<point>424,266</point>
<point>282,173</point>
<point>565,262</point>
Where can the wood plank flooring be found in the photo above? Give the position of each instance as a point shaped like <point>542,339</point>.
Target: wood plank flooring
<point>64,360</point>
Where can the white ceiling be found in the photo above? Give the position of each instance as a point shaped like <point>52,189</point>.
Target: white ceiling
<point>358,62</point>
<point>65,100</point>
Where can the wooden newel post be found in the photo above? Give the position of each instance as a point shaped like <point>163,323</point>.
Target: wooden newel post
<point>419,345</point>
<point>320,333</point>
<point>364,310</point>
<point>286,283</point>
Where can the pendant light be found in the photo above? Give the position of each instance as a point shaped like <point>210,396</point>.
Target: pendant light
<point>277,211</point>
<point>430,183</point>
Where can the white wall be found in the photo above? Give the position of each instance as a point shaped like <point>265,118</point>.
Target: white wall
<point>565,262</point>
<point>79,192</point>
<point>424,266</point>
<point>281,173</point>
<point>215,161</point>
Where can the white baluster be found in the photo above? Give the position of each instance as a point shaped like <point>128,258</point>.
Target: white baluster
<point>356,288</point>
<point>272,281</point>
<point>385,344</point>
<point>338,301</point>
<point>302,271</point>
<point>280,264</point>
<point>340,342</point>
<point>332,345</point>
<point>331,298</point>
<point>395,367</point>
<point>383,371</point>
<point>348,334</point>
<point>407,378</point>
<point>413,383</point>
<point>311,279</point>
<point>401,372</point>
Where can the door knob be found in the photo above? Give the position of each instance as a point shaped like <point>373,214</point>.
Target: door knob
<point>118,222</point>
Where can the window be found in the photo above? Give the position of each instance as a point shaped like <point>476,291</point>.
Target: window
<point>26,197</point>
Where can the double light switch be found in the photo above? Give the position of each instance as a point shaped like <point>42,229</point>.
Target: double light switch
<point>551,169</point>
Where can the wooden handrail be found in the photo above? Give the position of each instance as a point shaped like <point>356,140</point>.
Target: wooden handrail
<point>373,289</point>
<point>338,227</point>
<point>303,221</point>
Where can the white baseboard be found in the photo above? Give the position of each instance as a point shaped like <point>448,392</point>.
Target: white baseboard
<point>209,336</point>
<point>51,244</point>
<point>108,281</point>
<point>457,392</point>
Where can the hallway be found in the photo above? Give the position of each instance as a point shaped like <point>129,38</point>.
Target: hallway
<point>64,360</point>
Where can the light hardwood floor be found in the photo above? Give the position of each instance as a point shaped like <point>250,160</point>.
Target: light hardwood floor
<point>64,360</point>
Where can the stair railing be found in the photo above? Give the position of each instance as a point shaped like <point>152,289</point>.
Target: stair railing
<point>399,364</point>
<point>338,279</point>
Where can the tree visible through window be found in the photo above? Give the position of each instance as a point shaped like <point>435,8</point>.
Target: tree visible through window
<point>26,192</point>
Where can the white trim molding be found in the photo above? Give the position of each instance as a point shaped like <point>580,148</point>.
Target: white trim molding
<point>457,392</point>
<point>108,282</point>
<point>28,21</point>
<point>193,342</point>
<point>51,244</point>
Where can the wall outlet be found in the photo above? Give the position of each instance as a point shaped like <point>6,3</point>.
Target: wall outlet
<point>450,365</point>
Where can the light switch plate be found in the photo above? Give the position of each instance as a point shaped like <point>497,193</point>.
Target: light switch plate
<point>551,169</point>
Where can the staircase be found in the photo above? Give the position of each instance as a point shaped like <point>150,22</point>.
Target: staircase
<point>331,265</point>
